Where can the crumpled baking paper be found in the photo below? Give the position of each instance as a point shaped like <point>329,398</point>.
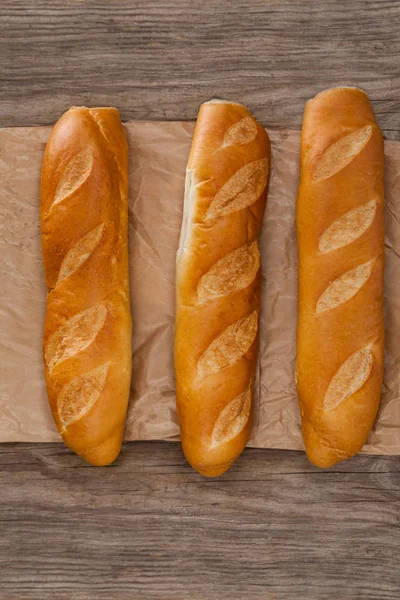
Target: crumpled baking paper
<point>157,161</point>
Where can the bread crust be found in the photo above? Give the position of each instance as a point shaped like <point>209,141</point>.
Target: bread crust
<point>340,229</point>
<point>218,284</point>
<point>87,331</point>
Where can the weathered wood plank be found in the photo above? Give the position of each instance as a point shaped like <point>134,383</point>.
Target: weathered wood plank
<point>160,59</point>
<point>150,527</point>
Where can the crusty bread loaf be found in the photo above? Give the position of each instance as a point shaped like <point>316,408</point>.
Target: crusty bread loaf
<point>340,226</point>
<point>87,334</point>
<point>218,284</point>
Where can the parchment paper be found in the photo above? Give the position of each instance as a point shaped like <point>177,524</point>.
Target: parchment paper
<point>158,156</point>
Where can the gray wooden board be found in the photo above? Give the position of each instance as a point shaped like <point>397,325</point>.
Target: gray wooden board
<point>159,59</point>
<point>273,527</point>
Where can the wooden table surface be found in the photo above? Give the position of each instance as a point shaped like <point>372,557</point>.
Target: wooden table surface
<point>273,527</point>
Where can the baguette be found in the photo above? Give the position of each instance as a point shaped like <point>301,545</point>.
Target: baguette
<point>340,228</point>
<point>219,284</point>
<point>87,332</point>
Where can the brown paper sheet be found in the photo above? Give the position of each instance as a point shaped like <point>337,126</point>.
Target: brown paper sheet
<point>158,155</point>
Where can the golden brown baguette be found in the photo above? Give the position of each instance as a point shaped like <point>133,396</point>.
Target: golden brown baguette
<point>87,334</point>
<point>340,227</point>
<point>218,284</point>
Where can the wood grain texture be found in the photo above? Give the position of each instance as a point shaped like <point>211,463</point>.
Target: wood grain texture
<point>149,527</point>
<point>273,527</point>
<point>159,59</point>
